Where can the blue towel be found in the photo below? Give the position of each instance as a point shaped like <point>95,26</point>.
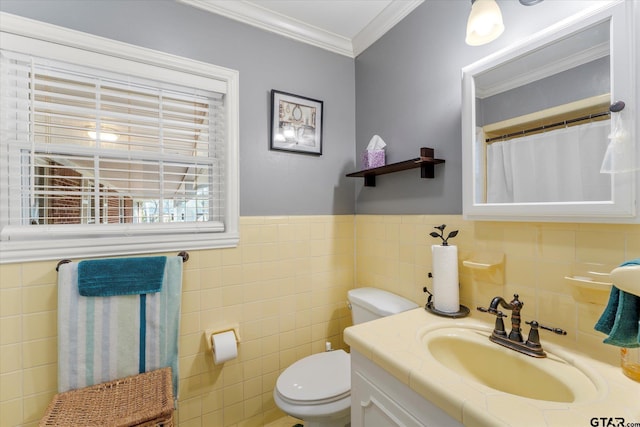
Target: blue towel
<point>621,318</point>
<point>120,276</point>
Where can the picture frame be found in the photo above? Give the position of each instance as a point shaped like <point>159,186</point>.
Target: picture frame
<point>296,123</point>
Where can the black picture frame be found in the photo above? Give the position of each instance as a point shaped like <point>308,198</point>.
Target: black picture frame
<point>296,123</point>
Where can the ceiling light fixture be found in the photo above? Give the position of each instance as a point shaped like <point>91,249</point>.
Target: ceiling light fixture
<point>485,22</point>
<point>529,2</point>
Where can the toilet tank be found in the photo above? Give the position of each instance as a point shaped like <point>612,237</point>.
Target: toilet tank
<point>371,303</point>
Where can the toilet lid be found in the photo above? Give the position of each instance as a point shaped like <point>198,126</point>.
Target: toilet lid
<point>319,378</point>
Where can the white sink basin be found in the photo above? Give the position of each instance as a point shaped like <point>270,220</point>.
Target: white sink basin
<point>469,353</point>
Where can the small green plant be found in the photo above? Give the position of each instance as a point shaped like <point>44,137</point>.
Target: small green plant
<point>441,234</point>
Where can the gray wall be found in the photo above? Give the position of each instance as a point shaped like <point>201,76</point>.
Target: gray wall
<point>271,182</point>
<point>405,88</point>
<point>581,82</point>
<point>572,85</point>
<point>408,91</point>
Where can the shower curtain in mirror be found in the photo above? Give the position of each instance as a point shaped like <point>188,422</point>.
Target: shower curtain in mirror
<point>555,166</point>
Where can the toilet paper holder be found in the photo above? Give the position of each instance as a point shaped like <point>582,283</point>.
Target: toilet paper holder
<point>209,333</point>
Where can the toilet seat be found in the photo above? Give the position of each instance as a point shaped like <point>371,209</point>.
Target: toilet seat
<point>317,379</point>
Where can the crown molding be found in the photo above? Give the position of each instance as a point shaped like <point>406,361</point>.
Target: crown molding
<point>258,16</point>
<point>536,73</point>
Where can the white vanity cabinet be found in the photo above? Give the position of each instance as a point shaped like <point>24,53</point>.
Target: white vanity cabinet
<point>378,399</point>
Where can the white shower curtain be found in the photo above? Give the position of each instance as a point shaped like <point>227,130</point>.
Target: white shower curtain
<point>555,166</point>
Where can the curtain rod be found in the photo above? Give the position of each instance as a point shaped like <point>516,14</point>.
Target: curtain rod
<point>544,127</point>
<point>614,108</point>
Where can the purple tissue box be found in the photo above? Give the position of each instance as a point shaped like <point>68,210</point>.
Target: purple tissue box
<point>373,159</point>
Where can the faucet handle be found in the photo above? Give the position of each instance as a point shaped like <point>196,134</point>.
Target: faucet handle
<point>536,325</point>
<point>490,310</point>
<point>498,329</point>
<point>557,331</point>
<point>533,340</point>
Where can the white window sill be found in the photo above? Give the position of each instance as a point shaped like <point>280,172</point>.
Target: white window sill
<point>13,251</point>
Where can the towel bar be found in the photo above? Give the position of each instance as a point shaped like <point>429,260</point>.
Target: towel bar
<point>183,254</point>
<point>627,278</point>
<point>62,261</point>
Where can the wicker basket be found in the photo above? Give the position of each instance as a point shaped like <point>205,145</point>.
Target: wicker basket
<point>139,400</point>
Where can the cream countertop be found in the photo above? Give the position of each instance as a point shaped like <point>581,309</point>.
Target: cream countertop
<point>394,343</point>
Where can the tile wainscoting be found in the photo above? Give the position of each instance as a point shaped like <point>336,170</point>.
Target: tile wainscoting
<point>394,253</point>
<point>286,285</point>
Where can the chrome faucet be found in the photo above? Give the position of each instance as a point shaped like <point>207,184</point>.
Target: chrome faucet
<point>514,340</point>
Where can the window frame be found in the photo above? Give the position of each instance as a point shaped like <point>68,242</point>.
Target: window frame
<point>79,241</point>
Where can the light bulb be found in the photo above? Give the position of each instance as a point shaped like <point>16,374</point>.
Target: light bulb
<point>104,136</point>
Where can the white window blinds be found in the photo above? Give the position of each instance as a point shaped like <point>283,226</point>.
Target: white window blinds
<point>92,147</point>
<point>134,147</point>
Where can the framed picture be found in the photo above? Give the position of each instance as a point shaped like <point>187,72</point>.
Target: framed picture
<point>296,123</point>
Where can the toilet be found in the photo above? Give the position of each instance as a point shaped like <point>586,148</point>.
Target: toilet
<point>317,388</point>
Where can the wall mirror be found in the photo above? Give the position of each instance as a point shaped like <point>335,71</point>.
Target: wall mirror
<point>537,122</point>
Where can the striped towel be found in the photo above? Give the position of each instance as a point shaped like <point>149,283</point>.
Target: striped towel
<point>105,338</point>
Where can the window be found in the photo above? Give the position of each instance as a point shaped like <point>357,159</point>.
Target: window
<point>112,149</point>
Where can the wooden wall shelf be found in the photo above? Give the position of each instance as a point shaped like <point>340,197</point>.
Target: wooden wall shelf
<point>426,162</point>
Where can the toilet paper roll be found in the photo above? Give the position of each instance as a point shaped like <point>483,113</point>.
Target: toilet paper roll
<point>446,291</point>
<point>224,346</point>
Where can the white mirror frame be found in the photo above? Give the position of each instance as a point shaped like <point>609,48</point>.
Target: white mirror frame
<point>623,207</point>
